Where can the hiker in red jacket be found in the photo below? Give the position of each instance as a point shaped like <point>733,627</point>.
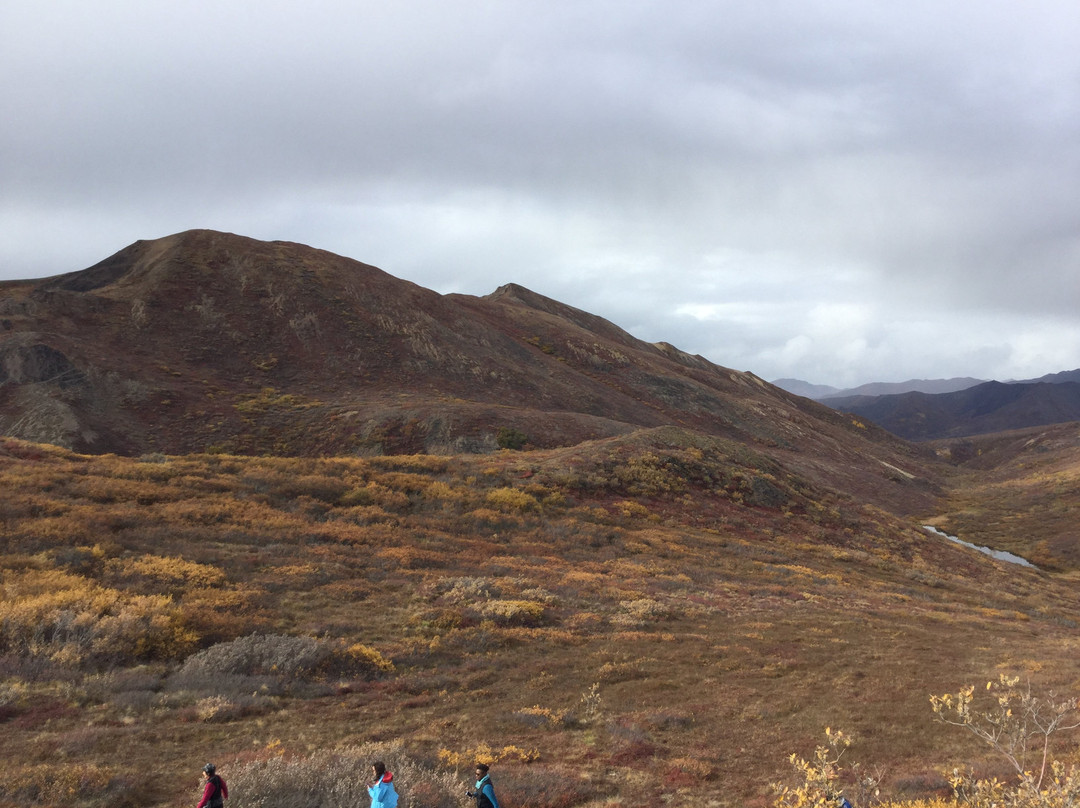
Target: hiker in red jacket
<point>215,791</point>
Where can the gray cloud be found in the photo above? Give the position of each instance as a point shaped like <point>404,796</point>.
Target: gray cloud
<point>834,190</point>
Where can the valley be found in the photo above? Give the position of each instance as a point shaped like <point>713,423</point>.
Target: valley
<point>271,507</point>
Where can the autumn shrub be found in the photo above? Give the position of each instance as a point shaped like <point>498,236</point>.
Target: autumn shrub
<point>318,487</point>
<point>129,689</point>
<point>275,664</point>
<point>512,500</point>
<point>688,771</point>
<point>507,437</point>
<point>484,753</point>
<point>217,615</point>
<point>154,573</point>
<point>483,521</point>
<point>221,709</point>
<point>466,589</point>
<point>440,493</point>
<point>1020,727</point>
<point>538,717</point>
<point>373,493</point>
<point>640,612</point>
<point>338,779</point>
<point>633,754</point>
<point>73,620</point>
<point>513,612</point>
<point>12,695</point>
<point>428,464</point>
<point>821,780</point>
<point>82,784</point>
<point>412,558</point>
<point>367,659</point>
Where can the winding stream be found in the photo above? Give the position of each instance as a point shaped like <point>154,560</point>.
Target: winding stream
<point>1000,555</point>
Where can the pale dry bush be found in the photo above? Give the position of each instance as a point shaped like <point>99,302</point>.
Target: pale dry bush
<point>12,693</point>
<point>127,689</point>
<point>640,612</point>
<point>260,654</point>
<point>212,707</point>
<point>466,589</point>
<point>272,664</point>
<point>338,779</point>
<point>537,717</point>
<point>1019,726</point>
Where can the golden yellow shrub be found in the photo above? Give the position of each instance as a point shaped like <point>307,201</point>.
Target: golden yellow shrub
<point>166,572</point>
<point>368,657</point>
<point>512,499</point>
<point>69,618</point>
<point>483,753</point>
<point>512,612</point>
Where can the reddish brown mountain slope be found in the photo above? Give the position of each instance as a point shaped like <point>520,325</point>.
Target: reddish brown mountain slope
<point>206,341</point>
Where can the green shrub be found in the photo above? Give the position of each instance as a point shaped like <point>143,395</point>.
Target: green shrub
<point>509,438</point>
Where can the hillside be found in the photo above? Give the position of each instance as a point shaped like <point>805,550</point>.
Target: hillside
<point>206,341</point>
<point>659,617</point>
<point>1017,492</point>
<point>982,409</point>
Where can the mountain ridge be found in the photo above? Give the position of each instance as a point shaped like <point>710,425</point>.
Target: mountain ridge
<point>824,392</point>
<point>206,341</point>
<point>983,409</point>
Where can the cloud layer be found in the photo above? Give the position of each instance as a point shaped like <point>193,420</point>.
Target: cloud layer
<point>834,190</point>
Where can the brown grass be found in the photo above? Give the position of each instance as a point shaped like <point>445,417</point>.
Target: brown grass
<point>660,624</point>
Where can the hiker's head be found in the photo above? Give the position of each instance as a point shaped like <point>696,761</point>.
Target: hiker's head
<point>209,769</point>
<point>379,768</point>
<point>481,770</point>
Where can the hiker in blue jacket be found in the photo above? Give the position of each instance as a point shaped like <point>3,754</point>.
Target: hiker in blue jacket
<point>381,787</point>
<point>485,793</point>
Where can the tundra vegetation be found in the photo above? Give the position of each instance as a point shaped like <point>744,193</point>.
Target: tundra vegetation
<point>655,619</point>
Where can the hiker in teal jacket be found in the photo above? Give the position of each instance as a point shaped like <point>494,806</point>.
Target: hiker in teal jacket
<point>485,793</point>
<point>381,787</point>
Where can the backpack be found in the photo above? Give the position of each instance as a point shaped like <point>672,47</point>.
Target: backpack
<point>216,799</point>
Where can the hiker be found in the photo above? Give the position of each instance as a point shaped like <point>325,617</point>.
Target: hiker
<point>381,787</point>
<point>214,791</point>
<point>485,793</point>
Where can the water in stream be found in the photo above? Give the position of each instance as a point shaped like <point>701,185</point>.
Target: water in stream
<point>1000,555</point>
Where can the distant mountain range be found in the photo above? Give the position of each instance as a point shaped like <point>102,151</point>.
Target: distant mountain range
<point>950,408</point>
<point>821,392</point>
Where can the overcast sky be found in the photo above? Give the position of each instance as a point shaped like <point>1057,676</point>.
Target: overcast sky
<point>841,191</point>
